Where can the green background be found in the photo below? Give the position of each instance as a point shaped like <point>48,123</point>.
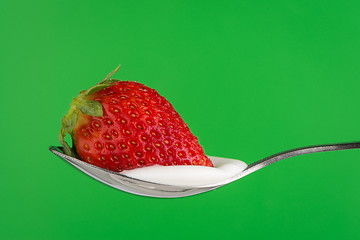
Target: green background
<point>251,78</point>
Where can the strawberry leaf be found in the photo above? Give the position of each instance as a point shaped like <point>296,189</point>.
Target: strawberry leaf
<point>95,89</point>
<point>67,127</point>
<point>90,107</point>
<point>110,81</point>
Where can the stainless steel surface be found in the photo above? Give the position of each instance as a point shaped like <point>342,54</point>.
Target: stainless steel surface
<point>150,189</point>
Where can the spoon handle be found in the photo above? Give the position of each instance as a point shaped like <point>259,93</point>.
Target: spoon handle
<point>296,152</point>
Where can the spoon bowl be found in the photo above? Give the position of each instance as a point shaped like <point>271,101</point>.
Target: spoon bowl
<point>130,184</point>
<point>151,189</point>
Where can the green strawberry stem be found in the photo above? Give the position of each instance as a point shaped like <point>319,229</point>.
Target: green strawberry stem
<point>85,106</point>
<point>109,75</point>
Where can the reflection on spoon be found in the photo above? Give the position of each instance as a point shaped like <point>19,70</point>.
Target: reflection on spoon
<point>158,186</point>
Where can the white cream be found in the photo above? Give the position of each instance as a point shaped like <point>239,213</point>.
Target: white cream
<point>193,176</point>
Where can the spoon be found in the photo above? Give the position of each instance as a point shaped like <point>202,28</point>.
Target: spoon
<point>151,189</point>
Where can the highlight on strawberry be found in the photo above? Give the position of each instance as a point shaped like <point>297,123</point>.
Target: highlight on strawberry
<point>122,125</point>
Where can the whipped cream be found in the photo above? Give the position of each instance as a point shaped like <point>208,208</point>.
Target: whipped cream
<point>186,175</point>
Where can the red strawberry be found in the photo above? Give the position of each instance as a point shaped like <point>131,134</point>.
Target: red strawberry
<point>122,125</point>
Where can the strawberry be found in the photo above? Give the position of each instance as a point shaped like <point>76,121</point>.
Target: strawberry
<point>122,125</point>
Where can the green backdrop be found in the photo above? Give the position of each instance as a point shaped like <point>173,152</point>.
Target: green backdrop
<point>251,78</point>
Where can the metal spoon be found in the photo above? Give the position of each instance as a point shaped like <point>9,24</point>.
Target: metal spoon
<point>151,189</point>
